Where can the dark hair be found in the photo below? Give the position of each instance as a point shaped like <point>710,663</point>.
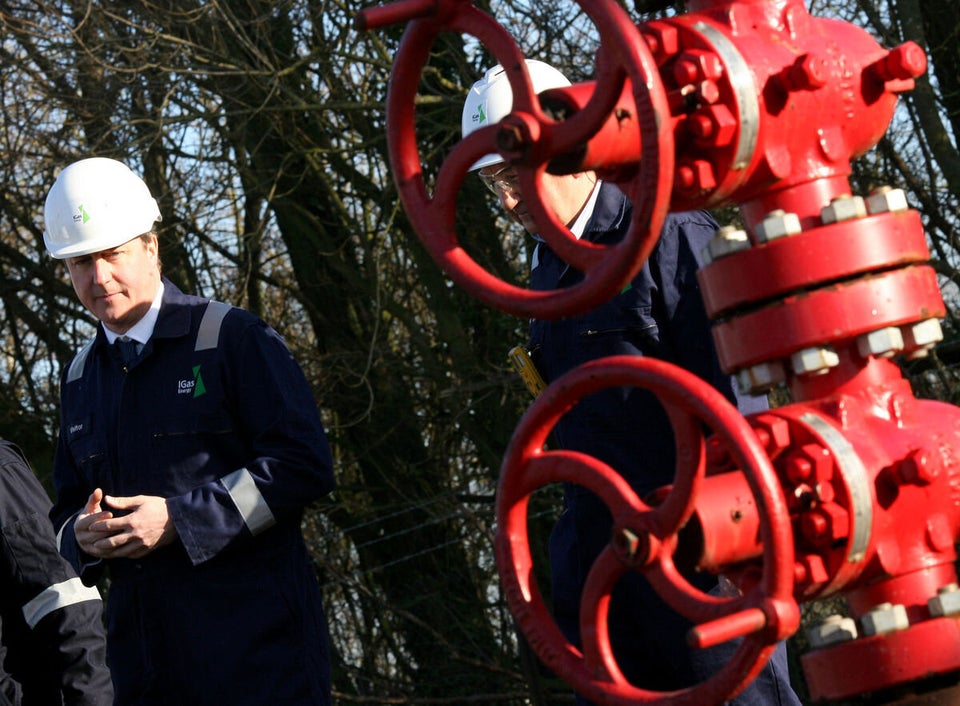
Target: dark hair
<point>145,238</point>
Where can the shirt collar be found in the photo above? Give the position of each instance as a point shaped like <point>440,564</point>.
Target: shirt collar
<point>143,329</point>
<point>580,224</point>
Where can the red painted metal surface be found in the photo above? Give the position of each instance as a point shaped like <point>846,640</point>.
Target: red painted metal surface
<point>645,537</point>
<point>853,488</point>
<point>528,138</point>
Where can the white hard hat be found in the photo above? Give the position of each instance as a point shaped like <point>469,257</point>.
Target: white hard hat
<point>491,99</point>
<point>96,204</point>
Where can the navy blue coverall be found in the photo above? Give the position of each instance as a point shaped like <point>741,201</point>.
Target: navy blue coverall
<point>661,315</point>
<point>52,647</point>
<point>215,416</point>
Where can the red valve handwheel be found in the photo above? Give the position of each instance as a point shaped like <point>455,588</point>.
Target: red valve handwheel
<point>645,536</point>
<point>607,269</point>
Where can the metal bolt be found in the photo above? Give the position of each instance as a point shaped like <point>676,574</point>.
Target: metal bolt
<point>633,548</point>
<point>695,65</point>
<point>713,125</point>
<point>947,601</point>
<point>694,177</point>
<point>663,40</point>
<point>904,62</point>
<point>884,618</point>
<point>778,224</point>
<point>831,631</point>
<point>760,377</point>
<point>814,361</point>
<point>919,338</point>
<point>825,525</point>
<point>886,199</point>
<point>773,432</point>
<point>809,73</point>
<point>921,467</point>
<point>809,569</point>
<point>883,343</point>
<point>727,241</point>
<point>843,208</point>
<point>708,92</point>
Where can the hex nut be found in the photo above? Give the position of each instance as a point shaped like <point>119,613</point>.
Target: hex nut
<point>814,361</point>
<point>921,336</point>
<point>831,631</point>
<point>844,208</point>
<point>760,377</point>
<point>883,619</point>
<point>727,241</point>
<point>886,199</point>
<point>946,603</point>
<point>882,343</point>
<point>778,224</point>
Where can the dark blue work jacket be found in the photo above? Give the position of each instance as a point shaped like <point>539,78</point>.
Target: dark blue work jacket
<point>215,416</point>
<point>52,647</point>
<point>660,314</point>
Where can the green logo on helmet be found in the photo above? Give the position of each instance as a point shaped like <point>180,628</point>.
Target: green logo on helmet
<point>81,216</point>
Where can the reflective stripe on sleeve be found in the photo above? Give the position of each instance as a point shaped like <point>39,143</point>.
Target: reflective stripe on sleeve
<point>59,595</point>
<point>246,496</point>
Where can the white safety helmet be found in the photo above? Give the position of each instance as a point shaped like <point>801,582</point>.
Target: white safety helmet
<point>491,99</point>
<point>96,204</point>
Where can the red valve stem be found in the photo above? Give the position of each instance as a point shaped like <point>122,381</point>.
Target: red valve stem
<point>393,13</point>
<point>729,627</point>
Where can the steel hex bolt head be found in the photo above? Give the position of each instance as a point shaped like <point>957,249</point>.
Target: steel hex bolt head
<point>921,467</point>
<point>778,224</point>
<point>727,241</point>
<point>844,208</point>
<point>809,73</point>
<point>886,199</point>
<point>919,338</point>
<point>760,377</point>
<point>946,602</point>
<point>832,630</point>
<point>883,343</point>
<point>694,177</point>
<point>662,39</point>
<point>885,618</point>
<point>814,361</point>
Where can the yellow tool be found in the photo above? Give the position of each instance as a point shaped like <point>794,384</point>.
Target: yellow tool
<point>524,366</point>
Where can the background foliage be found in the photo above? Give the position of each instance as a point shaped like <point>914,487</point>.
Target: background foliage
<point>259,125</point>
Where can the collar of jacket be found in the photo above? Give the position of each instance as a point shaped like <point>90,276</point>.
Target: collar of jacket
<point>607,225</point>
<point>173,320</point>
<point>609,213</point>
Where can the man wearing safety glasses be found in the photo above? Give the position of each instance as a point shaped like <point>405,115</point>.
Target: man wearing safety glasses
<point>659,314</point>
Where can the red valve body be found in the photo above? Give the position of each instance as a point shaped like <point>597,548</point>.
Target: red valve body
<point>766,106</point>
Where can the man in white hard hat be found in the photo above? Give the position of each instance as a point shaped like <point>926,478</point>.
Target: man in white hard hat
<point>189,445</point>
<point>659,314</point>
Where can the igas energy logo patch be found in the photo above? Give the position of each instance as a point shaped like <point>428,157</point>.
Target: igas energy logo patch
<point>193,387</point>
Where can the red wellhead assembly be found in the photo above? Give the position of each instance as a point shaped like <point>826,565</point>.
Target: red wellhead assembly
<point>853,488</point>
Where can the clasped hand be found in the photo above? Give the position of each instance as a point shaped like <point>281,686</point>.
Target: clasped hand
<point>144,526</point>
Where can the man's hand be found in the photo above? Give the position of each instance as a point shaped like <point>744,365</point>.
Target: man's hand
<point>87,537</point>
<point>144,527</point>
